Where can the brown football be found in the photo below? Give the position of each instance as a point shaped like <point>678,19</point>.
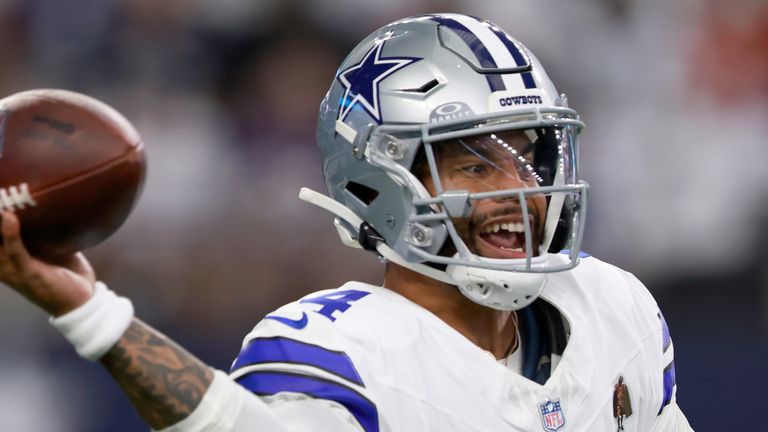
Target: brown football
<point>71,168</point>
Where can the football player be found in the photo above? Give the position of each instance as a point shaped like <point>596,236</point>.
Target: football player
<point>448,153</point>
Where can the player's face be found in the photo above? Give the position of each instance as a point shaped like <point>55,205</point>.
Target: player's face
<point>487,163</point>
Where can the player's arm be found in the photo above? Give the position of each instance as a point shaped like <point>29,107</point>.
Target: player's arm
<point>174,391</point>
<point>169,387</point>
<point>164,382</point>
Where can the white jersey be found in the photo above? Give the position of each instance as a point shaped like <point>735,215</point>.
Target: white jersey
<point>394,366</point>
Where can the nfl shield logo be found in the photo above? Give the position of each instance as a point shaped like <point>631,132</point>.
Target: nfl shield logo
<point>551,415</point>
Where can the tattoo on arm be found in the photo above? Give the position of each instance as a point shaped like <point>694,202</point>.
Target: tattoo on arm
<point>164,382</point>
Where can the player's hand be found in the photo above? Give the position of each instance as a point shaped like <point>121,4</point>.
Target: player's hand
<point>57,286</point>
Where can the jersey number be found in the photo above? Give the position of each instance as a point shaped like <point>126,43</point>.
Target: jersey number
<point>335,301</point>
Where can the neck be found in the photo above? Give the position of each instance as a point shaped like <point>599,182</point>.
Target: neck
<point>490,329</point>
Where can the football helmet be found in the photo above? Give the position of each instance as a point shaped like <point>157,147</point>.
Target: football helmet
<point>447,150</point>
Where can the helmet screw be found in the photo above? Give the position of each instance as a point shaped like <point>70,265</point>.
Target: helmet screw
<point>421,235</point>
<point>390,220</point>
<point>356,151</point>
<point>394,149</point>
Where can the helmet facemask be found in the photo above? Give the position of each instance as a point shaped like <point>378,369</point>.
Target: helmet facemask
<point>489,199</point>
<point>498,162</point>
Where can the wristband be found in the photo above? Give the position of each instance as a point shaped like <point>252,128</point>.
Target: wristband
<point>97,325</point>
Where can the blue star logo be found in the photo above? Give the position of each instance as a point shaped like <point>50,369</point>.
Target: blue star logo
<point>361,81</point>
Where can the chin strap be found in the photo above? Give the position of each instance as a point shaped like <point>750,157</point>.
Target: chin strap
<point>350,239</point>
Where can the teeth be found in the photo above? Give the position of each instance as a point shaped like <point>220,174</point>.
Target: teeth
<point>509,227</point>
<point>517,249</point>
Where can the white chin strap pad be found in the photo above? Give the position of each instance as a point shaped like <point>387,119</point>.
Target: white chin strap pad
<point>497,289</point>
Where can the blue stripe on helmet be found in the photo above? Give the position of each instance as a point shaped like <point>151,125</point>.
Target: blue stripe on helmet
<point>669,385</point>
<point>285,350</point>
<point>515,52</point>
<point>269,383</point>
<point>478,49</point>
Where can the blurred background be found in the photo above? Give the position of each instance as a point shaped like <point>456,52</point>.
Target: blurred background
<point>225,93</point>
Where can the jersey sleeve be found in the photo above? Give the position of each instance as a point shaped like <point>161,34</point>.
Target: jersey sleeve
<point>228,407</point>
<point>295,354</point>
<point>671,419</point>
<point>291,375</point>
<point>669,416</point>
<point>668,373</point>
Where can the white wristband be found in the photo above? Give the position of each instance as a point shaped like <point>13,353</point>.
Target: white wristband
<point>98,324</point>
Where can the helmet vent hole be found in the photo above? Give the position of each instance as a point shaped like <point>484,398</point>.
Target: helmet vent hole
<point>362,192</point>
<point>425,88</point>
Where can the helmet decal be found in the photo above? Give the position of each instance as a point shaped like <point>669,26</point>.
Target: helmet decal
<point>450,111</point>
<point>361,80</point>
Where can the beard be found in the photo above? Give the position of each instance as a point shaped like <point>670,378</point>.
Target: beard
<point>469,228</point>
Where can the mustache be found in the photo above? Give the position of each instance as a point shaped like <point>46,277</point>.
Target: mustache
<point>478,219</point>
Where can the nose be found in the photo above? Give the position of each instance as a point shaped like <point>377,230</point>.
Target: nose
<point>512,177</point>
<point>507,200</point>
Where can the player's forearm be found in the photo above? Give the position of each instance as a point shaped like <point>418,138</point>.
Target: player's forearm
<point>162,380</point>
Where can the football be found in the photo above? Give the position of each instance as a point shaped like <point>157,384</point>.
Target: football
<point>71,168</point>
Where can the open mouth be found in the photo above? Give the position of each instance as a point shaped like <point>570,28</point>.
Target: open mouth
<point>503,239</point>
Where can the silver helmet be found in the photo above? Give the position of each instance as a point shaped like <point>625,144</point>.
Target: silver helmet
<point>447,150</point>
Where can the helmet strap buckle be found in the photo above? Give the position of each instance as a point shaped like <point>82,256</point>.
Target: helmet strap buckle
<point>369,238</point>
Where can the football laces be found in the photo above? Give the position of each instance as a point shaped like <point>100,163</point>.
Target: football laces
<point>16,198</point>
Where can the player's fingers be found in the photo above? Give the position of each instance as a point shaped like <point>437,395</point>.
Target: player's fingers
<point>13,247</point>
<point>7,271</point>
<point>6,268</point>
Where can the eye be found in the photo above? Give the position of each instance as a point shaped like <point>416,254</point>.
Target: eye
<point>476,169</point>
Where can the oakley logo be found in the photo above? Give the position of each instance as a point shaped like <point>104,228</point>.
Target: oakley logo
<point>450,111</point>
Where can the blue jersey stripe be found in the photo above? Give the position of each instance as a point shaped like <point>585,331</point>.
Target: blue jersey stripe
<point>669,371</point>
<point>478,49</point>
<point>269,383</point>
<point>285,350</point>
<point>515,52</point>
<point>669,385</point>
